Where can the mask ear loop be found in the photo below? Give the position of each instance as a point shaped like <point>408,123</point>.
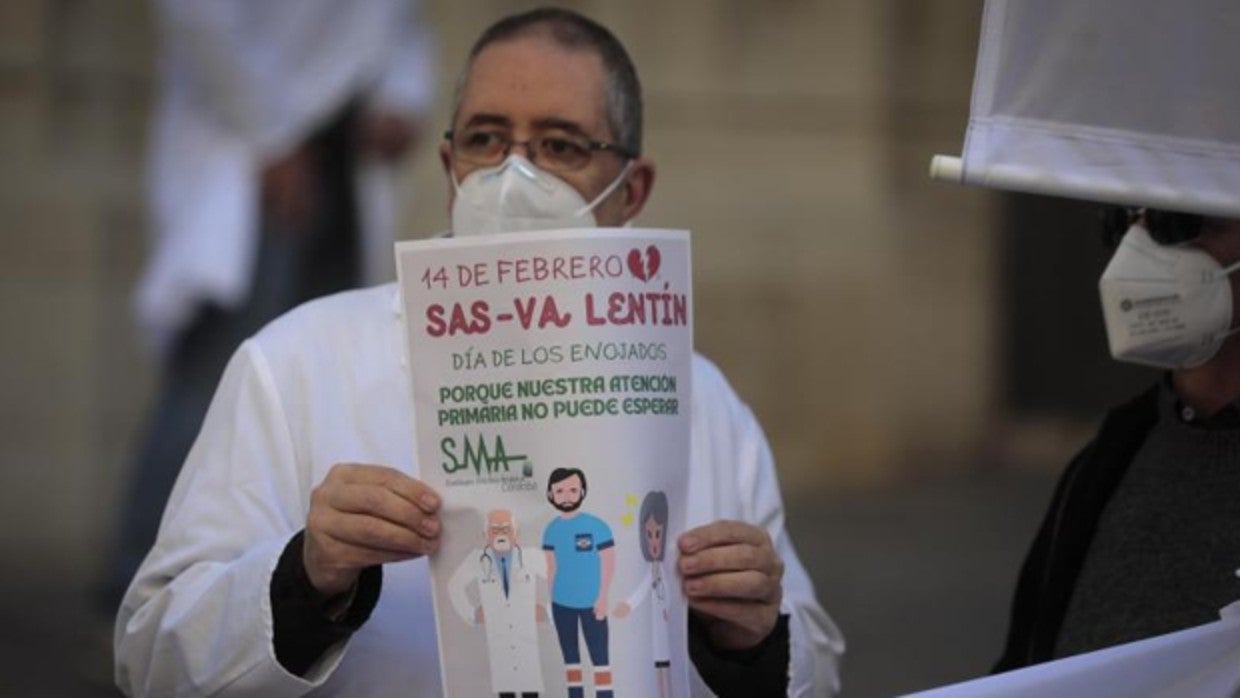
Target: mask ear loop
<point>611,188</point>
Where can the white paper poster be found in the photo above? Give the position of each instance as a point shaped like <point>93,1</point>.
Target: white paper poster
<point>550,377</point>
<point>1201,662</point>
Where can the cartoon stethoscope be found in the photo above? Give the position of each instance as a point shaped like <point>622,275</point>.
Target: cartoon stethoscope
<point>487,564</point>
<point>659,588</point>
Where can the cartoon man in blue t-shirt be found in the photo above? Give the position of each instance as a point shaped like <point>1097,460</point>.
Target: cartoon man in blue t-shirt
<point>581,560</point>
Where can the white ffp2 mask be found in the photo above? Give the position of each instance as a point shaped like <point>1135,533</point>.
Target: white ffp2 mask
<point>1167,306</point>
<point>518,195</point>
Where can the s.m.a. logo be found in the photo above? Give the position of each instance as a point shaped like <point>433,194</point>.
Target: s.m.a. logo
<point>483,456</point>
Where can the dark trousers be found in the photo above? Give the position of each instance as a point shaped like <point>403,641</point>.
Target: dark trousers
<point>292,266</point>
<point>567,621</point>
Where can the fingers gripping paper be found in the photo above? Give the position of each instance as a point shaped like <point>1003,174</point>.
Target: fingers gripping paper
<point>551,382</point>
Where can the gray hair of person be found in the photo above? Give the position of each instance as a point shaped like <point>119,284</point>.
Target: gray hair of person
<point>653,506</point>
<point>574,32</point>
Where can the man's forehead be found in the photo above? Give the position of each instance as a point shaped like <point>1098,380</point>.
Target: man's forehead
<point>499,516</point>
<point>531,80</point>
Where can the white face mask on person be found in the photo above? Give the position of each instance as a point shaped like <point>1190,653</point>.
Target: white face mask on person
<point>517,195</point>
<point>1167,306</point>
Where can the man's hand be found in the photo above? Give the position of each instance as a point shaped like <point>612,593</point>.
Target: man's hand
<point>386,135</point>
<point>600,608</point>
<point>621,610</point>
<point>289,189</point>
<point>480,616</point>
<point>732,579</point>
<point>364,515</point>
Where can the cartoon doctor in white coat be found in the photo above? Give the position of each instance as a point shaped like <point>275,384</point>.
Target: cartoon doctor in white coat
<point>506,580</point>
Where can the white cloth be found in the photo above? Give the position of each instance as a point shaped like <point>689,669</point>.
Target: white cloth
<point>1200,662</point>
<point>1126,101</point>
<point>509,618</point>
<point>328,383</point>
<point>658,610</point>
<point>241,83</point>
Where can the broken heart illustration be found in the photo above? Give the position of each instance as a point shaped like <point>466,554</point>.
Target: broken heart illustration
<point>645,266</point>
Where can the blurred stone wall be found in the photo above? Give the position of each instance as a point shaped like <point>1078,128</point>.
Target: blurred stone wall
<point>74,93</point>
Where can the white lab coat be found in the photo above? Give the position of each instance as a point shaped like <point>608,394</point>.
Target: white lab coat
<point>242,82</point>
<point>658,612</point>
<point>509,619</point>
<point>329,383</point>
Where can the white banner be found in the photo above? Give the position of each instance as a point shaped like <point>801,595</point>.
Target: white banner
<point>551,380</point>
<point>1131,102</point>
<point>1201,662</point>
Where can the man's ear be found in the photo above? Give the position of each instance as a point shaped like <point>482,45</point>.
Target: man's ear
<point>637,186</point>
<point>445,156</point>
<point>445,159</point>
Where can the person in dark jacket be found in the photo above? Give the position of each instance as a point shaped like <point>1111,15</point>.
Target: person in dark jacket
<point>1142,536</point>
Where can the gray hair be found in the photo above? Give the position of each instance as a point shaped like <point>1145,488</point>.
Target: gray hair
<point>572,31</point>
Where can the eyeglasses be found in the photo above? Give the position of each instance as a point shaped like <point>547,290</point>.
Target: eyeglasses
<point>555,152</point>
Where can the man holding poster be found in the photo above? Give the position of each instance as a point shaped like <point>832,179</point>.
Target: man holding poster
<point>291,557</point>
